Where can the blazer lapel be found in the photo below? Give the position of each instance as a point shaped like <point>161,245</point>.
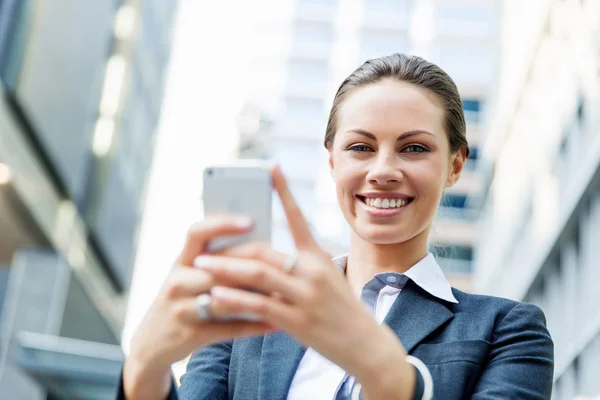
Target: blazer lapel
<point>280,357</point>
<point>415,314</point>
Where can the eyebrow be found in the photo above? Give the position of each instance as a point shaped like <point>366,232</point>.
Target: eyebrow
<point>401,137</point>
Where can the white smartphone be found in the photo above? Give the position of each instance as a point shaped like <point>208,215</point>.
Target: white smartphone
<point>242,188</point>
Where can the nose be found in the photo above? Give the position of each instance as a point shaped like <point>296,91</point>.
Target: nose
<point>385,169</point>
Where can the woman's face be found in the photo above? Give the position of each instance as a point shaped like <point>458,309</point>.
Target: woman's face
<point>390,160</point>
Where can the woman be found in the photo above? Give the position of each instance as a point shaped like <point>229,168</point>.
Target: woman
<point>396,139</point>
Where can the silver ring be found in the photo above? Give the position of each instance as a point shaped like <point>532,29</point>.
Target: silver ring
<point>290,262</point>
<point>203,306</point>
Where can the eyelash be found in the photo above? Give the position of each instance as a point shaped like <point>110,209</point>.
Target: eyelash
<point>355,148</point>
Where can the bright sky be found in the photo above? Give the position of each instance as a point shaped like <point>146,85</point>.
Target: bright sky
<point>212,47</point>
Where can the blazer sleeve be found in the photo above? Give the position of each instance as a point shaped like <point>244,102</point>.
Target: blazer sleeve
<point>521,360</point>
<point>206,375</point>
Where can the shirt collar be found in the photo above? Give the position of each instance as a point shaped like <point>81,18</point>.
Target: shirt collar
<point>427,274</point>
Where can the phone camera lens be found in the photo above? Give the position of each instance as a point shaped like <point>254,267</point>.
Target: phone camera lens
<point>209,172</point>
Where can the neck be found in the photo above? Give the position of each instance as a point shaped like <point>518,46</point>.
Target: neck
<point>368,259</point>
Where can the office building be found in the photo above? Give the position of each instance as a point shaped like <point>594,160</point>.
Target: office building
<point>316,46</point>
<point>540,221</point>
<point>80,95</point>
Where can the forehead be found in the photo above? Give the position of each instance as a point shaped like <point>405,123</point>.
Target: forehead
<point>391,106</point>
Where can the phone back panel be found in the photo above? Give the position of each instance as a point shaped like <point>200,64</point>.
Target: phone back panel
<point>244,190</point>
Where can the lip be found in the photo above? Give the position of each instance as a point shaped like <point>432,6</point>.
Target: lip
<point>382,212</point>
<point>385,195</point>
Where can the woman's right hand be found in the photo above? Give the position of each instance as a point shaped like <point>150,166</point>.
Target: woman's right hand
<point>172,329</point>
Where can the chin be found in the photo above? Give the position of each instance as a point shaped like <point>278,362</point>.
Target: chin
<point>383,235</point>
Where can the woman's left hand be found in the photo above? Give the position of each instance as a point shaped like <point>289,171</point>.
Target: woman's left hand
<point>313,302</point>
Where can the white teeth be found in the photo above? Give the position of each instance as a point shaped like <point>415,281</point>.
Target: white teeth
<point>385,203</point>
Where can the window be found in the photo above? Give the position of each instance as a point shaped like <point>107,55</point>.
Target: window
<point>391,15</point>
<point>323,2</point>
<point>454,200</point>
<point>464,18</point>
<point>465,60</point>
<point>454,259</point>
<point>458,252</point>
<point>302,117</point>
<point>471,163</point>
<point>11,50</point>
<point>473,153</point>
<point>4,274</point>
<point>472,109</point>
<point>377,44</point>
<point>463,11</point>
<point>471,105</point>
<point>308,73</point>
<point>312,39</point>
<point>388,6</point>
<point>312,32</point>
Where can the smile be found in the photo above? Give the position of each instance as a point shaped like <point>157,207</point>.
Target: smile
<point>382,206</point>
<point>379,202</point>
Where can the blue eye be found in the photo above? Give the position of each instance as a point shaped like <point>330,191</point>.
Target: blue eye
<point>415,148</point>
<point>360,148</point>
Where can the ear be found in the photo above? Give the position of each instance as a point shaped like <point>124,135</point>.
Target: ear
<point>328,145</point>
<point>457,163</point>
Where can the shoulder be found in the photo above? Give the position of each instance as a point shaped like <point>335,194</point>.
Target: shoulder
<point>498,308</point>
<point>482,302</point>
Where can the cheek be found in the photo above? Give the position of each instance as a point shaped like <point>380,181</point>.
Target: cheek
<point>429,178</point>
<point>349,179</point>
<point>347,174</point>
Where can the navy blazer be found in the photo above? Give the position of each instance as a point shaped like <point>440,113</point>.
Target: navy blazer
<point>483,347</point>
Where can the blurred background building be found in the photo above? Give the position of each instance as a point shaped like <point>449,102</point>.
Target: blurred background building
<point>312,48</point>
<point>540,222</point>
<point>81,92</point>
<point>80,96</point>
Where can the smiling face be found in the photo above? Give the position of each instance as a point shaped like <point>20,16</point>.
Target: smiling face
<point>391,160</point>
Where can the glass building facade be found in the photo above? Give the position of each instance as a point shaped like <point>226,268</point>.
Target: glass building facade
<point>80,96</point>
<point>540,221</point>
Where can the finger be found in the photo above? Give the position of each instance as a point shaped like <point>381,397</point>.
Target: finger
<point>257,251</point>
<point>186,311</point>
<point>306,262</point>
<point>253,274</point>
<point>263,251</point>
<point>187,282</point>
<point>228,301</point>
<point>299,228</point>
<point>212,226</point>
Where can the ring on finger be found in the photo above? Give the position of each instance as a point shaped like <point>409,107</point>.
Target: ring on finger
<point>290,262</point>
<point>203,306</point>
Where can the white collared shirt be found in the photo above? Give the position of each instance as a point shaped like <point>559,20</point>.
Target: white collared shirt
<point>317,377</point>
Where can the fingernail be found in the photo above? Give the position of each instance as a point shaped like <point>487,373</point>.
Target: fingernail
<point>243,222</point>
<point>221,292</point>
<point>203,262</point>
